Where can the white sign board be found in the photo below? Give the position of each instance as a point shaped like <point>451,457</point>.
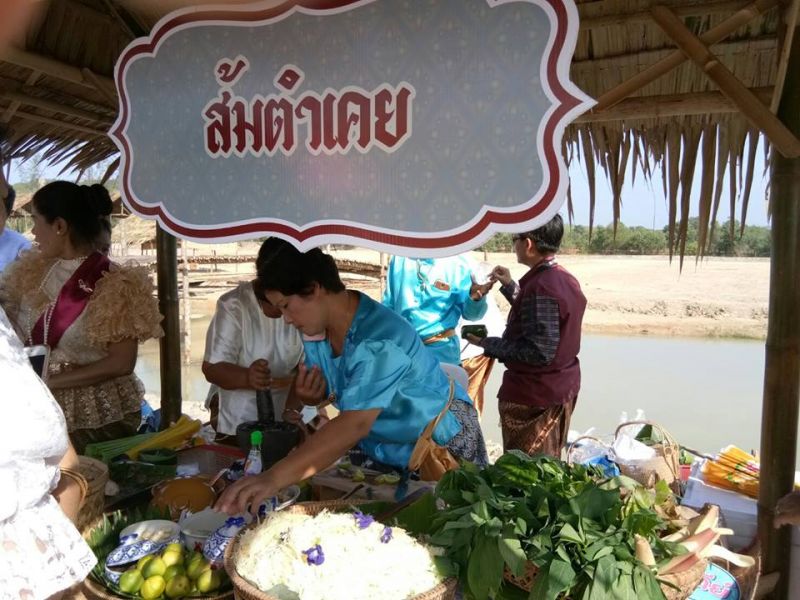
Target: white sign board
<point>415,126</point>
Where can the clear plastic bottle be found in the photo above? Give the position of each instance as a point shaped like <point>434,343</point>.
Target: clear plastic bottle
<point>252,465</point>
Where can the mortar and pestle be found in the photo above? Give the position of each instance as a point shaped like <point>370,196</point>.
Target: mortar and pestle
<point>279,437</point>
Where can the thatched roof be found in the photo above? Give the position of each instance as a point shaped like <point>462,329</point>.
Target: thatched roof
<point>57,95</point>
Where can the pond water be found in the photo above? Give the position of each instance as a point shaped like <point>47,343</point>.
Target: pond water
<point>706,392</point>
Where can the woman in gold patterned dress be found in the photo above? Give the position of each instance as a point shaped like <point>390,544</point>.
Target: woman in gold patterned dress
<point>91,312</point>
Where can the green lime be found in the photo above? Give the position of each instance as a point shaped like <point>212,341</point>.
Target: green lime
<point>153,587</point>
<point>197,567</point>
<point>175,547</point>
<point>179,586</point>
<point>144,560</point>
<point>174,570</point>
<point>170,557</point>
<point>157,566</point>
<point>208,581</point>
<point>131,581</point>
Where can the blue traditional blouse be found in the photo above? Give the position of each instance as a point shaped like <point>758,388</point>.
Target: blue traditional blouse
<point>433,295</point>
<point>385,365</point>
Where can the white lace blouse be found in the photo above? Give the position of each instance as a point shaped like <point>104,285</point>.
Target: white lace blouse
<point>41,552</point>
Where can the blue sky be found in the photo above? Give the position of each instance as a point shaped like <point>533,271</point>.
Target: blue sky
<point>643,203</point>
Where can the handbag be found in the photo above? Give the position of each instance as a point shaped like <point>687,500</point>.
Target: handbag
<point>429,458</point>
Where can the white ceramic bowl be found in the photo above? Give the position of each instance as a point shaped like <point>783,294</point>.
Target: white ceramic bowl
<point>197,527</point>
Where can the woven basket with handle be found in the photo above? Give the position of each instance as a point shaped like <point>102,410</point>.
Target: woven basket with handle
<point>244,590</point>
<point>665,466</point>
<point>95,473</point>
<point>675,587</point>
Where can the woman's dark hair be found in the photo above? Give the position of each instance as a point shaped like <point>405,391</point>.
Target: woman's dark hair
<point>81,206</point>
<point>282,267</point>
<point>8,201</point>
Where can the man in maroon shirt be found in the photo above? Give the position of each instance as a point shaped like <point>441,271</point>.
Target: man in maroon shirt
<point>539,346</point>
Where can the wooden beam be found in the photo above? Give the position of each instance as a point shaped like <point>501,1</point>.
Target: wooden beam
<point>53,68</point>
<point>699,9</point>
<point>57,123</point>
<point>612,61</point>
<point>71,111</point>
<point>670,105</point>
<point>15,105</point>
<point>792,15</point>
<point>752,108</point>
<point>710,37</point>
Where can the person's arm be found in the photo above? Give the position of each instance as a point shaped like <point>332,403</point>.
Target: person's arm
<point>230,376</point>
<point>540,323</point>
<point>68,493</point>
<point>120,360</point>
<point>316,454</point>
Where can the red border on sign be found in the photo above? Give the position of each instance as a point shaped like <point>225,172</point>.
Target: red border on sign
<point>566,103</point>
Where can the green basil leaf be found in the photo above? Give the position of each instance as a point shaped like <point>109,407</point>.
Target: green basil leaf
<point>485,568</point>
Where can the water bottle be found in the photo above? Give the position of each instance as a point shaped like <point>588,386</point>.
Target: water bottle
<point>252,465</point>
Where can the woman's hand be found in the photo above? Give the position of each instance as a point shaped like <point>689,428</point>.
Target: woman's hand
<point>478,291</point>
<point>501,274</point>
<point>309,387</point>
<point>474,339</point>
<point>258,375</point>
<point>248,492</point>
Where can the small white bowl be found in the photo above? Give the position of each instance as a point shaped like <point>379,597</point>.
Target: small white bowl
<point>197,527</point>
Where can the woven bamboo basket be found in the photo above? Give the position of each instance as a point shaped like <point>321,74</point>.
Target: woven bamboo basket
<point>96,591</point>
<point>665,466</point>
<point>96,474</point>
<point>675,587</point>
<point>244,590</point>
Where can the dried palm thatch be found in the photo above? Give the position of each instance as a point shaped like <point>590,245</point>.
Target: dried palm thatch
<point>57,95</point>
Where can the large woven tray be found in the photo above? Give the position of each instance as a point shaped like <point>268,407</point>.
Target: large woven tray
<point>244,590</point>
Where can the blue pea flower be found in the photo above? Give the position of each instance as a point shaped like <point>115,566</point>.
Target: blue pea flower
<point>363,521</point>
<point>315,555</point>
<point>386,536</point>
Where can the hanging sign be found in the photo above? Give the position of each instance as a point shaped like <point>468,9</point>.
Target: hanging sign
<point>420,127</point>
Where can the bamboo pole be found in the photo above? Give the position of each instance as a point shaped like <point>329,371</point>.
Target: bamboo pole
<point>170,344</point>
<point>792,14</point>
<point>752,108</point>
<point>782,366</point>
<point>58,123</point>
<point>64,109</point>
<point>698,9</point>
<point>710,37</point>
<point>187,307</point>
<point>53,68</point>
<point>670,105</point>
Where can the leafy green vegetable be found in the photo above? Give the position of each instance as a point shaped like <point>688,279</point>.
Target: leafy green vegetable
<point>575,527</point>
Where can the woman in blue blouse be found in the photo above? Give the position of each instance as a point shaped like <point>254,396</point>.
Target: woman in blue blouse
<point>366,360</point>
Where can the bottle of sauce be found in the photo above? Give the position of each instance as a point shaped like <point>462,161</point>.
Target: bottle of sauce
<point>252,465</point>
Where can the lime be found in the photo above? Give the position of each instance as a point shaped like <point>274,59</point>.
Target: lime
<point>131,581</point>
<point>170,557</point>
<point>179,586</point>
<point>174,570</point>
<point>154,567</point>
<point>174,547</point>
<point>197,567</point>
<point>153,587</point>
<point>143,561</point>
<point>208,581</point>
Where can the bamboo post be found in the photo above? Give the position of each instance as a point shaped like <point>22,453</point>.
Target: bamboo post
<point>782,367</point>
<point>170,344</point>
<point>187,307</point>
<point>752,108</point>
